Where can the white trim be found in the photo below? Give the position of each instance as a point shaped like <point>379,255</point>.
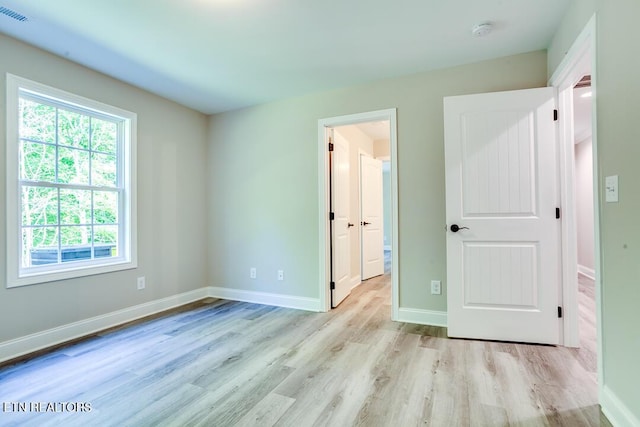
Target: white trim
<point>422,317</point>
<point>616,412</point>
<point>54,336</point>
<point>387,247</point>
<point>587,272</point>
<point>323,217</point>
<point>323,214</point>
<point>568,291</point>
<point>564,76</point>
<point>355,282</point>
<point>279,300</point>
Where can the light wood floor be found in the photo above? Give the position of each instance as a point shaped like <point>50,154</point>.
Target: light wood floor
<point>226,363</point>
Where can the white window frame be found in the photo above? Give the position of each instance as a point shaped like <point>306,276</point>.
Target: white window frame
<point>125,259</point>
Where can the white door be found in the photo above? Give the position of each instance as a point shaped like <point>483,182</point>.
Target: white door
<point>340,240</point>
<point>371,225</point>
<point>503,265</point>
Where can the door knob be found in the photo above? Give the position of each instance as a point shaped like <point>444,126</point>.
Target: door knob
<point>349,225</point>
<point>365,223</point>
<point>455,228</point>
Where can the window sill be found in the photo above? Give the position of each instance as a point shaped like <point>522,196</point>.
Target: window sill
<point>70,272</point>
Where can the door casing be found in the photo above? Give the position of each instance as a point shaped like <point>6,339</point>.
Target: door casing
<point>323,202</point>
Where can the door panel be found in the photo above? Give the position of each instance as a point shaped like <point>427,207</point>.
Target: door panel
<point>497,164</point>
<point>341,241</point>
<point>372,219</point>
<point>501,184</point>
<point>500,275</point>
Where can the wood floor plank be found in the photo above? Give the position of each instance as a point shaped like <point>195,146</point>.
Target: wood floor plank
<point>159,406</point>
<point>233,405</point>
<point>358,381</point>
<point>520,400</point>
<point>267,412</point>
<point>324,389</point>
<point>387,403</point>
<point>486,405</point>
<point>449,401</point>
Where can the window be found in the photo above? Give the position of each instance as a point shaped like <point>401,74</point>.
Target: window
<point>70,185</point>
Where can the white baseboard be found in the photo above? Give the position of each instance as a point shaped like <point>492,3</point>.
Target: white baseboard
<point>355,281</point>
<point>587,272</point>
<point>422,317</point>
<point>617,412</point>
<point>34,342</point>
<point>279,300</point>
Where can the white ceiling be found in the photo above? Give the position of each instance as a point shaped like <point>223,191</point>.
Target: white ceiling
<point>380,130</point>
<point>219,55</point>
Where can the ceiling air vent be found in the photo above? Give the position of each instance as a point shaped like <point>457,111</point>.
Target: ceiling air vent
<point>12,14</point>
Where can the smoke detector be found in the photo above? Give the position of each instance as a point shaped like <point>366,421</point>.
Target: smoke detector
<point>482,30</point>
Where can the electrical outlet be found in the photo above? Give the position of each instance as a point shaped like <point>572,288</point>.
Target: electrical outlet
<point>436,288</point>
<point>253,273</point>
<point>141,283</point>
<point>280,274</point>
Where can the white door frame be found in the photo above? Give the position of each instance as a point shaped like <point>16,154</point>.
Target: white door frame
<point>563,79</point>
<point>323,202</point>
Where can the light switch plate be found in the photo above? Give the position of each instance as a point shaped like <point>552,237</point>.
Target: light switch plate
<point>611,188</point>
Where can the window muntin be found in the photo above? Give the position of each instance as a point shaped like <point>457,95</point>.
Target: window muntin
<point>73,194</point>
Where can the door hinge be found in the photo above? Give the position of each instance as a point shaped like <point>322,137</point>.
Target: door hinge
<point>557,213</point>
<point>331,146</point>
<point>332,216</point>
<point>555,115</point>
<point>332,285</point>
<point>559,312</point>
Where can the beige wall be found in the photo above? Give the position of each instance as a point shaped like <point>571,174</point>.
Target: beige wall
<point>618,137</point>
<point>264,178</point>
<point>382,149</point>
<point>576,17</point>
<point>171,202</point>
<point>584,203</point>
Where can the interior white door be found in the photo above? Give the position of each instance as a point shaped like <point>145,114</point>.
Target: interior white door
<point>340,239</point>
<point>503,266</point>
<point>371,226</point>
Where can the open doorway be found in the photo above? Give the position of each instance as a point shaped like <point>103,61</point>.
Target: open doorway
<point>363,171</point>
<point>355,152</point>
<point>584,191</point>
<point>576,82</point>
